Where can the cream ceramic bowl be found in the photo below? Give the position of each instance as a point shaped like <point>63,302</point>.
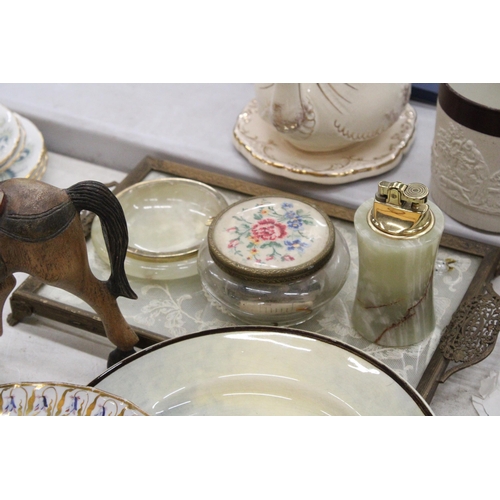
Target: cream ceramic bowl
<point>61,400</point>
<point>260,371</point>
<point>167,220</point>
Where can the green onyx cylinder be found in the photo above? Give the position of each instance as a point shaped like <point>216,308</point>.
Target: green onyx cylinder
<point>394,303</point>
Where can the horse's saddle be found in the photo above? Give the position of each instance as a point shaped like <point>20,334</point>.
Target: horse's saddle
<point>33,211</point>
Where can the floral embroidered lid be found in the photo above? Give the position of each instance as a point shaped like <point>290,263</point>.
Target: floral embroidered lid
<point>271,238</point>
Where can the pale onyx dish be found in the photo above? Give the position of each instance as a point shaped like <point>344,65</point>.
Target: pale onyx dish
<point>465,171</point>
<point>167,220</point>
<point>265,371</point>
<point>44,399</point>
<point>273,260</point>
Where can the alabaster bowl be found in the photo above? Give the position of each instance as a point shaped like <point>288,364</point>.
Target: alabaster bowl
<point>273,260</point>
<point>59,399</point>
<point>260,371</point>
<point>167,220</point>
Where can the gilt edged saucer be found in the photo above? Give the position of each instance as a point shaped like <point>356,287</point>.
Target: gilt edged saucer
<point>32,161</point>
<point>18,150</point>
<point>266,149</point>
<point>10,134</point>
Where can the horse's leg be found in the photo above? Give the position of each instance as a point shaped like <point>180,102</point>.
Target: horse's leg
<point>6,286</point>
<point>97,296</point>
<point>63,262</point>
<point>81,281</point>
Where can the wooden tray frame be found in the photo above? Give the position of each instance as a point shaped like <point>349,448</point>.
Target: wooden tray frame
<point>25,300</point>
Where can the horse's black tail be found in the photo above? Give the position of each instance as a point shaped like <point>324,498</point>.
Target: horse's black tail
<point>97,198</point>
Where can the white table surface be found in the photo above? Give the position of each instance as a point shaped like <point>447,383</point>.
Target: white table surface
<point>102,131</point>
<point>116,125</point>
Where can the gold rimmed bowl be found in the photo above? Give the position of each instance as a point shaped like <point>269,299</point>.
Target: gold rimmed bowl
<point>264,371</point>
<point>60,399</point>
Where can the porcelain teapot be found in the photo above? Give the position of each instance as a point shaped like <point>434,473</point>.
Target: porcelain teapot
<point>319,117</point>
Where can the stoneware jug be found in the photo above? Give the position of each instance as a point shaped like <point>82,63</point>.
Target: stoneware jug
<point>465,171</point>
<point>319,117</point>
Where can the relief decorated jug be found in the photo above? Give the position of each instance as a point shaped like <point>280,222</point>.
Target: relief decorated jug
<point>318,117</point>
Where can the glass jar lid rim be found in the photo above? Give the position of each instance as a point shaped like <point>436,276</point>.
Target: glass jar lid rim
<point>273,274</point>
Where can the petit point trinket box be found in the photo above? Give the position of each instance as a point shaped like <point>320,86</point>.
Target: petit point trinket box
<point>273,260</point>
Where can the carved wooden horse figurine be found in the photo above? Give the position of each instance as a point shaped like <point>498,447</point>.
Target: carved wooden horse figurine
<point>41,235</point>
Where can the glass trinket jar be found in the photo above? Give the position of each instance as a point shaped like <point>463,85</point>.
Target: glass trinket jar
<point>273,260</point>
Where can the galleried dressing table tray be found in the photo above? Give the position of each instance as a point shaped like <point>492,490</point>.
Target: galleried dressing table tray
<point>467,307</point>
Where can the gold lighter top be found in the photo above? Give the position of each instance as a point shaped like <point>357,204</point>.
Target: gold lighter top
<point>401,210</point>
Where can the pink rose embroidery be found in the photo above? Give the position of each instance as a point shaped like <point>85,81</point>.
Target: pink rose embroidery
<point>268,230</point>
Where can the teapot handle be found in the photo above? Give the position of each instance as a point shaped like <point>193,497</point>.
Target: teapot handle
<point>287,109</point>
